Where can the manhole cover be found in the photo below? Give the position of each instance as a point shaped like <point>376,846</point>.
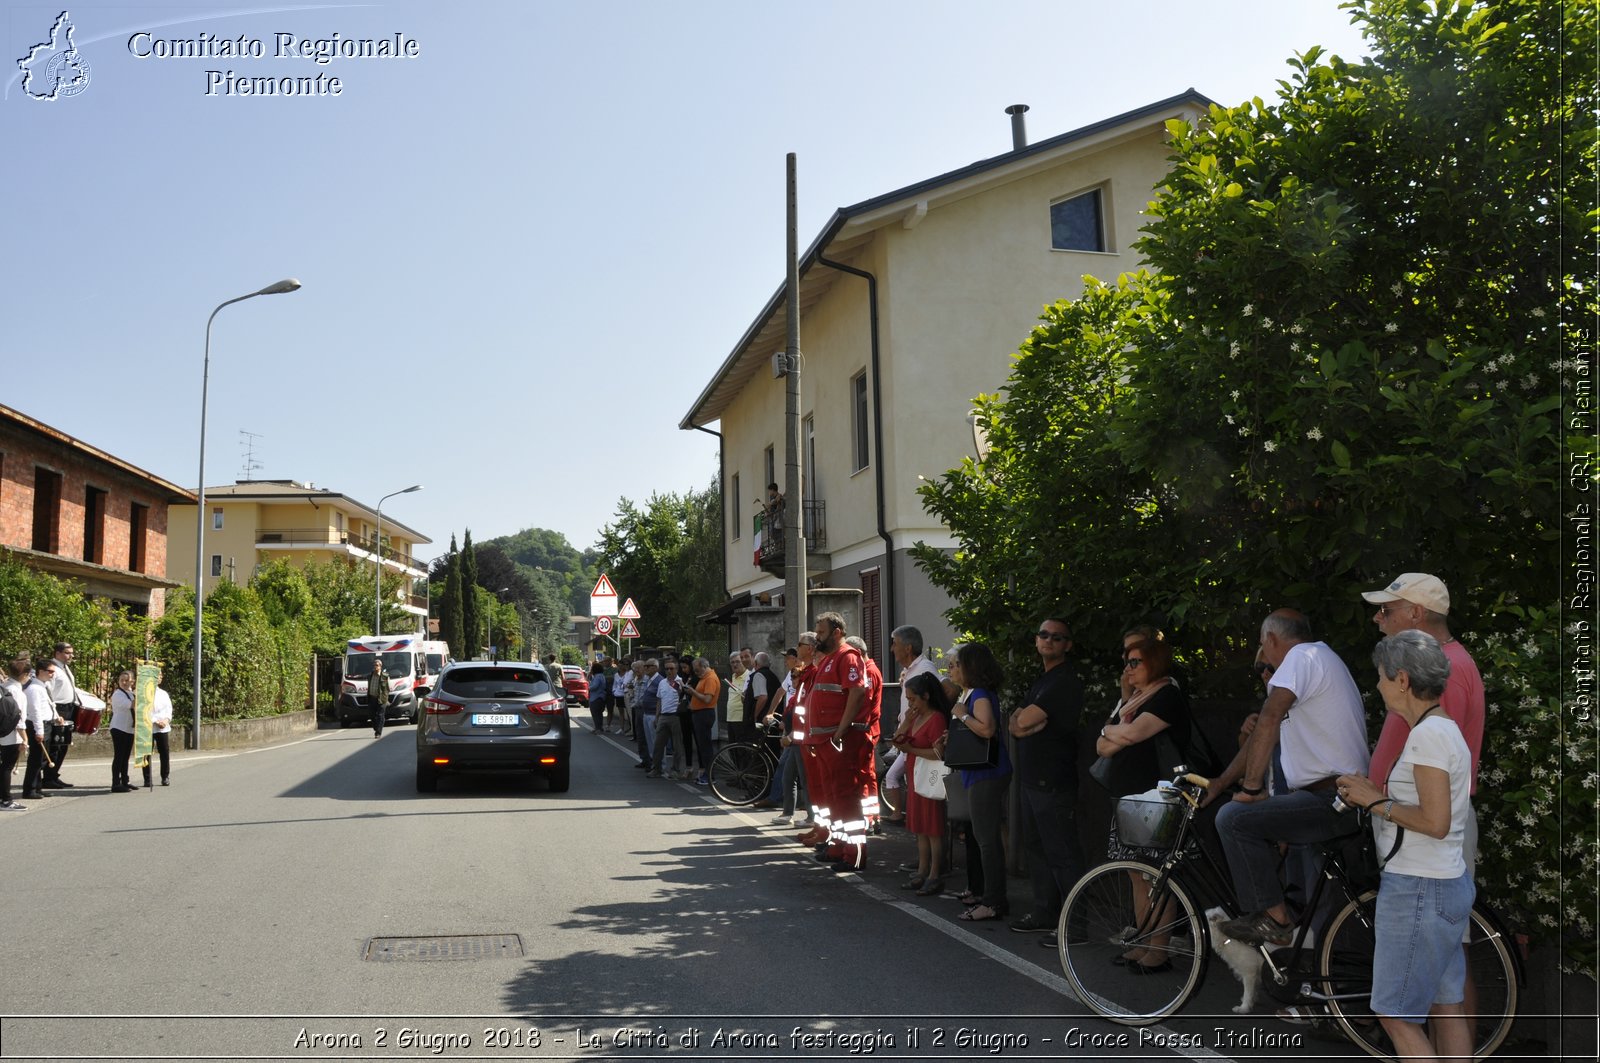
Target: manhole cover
<point>448,947</point>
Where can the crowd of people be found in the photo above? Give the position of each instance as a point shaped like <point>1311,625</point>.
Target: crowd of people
<point>41,706</point>
<point>1273,795</point>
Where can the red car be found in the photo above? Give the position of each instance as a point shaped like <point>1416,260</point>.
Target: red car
<point>577,684</point>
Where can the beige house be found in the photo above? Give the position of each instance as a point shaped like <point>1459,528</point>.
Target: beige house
<point>912,303</point>
<point>255,521</point>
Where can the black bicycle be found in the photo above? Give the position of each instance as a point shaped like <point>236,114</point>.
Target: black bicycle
<point>742,772</point>
<point>1126,904</point>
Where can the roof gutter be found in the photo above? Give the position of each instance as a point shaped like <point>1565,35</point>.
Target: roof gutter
<point>888,625</point>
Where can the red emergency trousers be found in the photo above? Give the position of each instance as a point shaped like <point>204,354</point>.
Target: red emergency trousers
<point>865,768</point>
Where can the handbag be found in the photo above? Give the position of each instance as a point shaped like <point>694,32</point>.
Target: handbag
<point>1117,775</point>
<point>927,778</point>
<point>966,749</point>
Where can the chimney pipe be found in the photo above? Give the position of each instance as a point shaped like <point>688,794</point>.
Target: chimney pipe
<point>1019,127</point>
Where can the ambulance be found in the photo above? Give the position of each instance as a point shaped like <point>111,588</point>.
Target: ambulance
<point>404,661</point>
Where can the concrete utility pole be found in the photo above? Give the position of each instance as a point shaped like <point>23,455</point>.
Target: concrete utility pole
<point>794,532</point>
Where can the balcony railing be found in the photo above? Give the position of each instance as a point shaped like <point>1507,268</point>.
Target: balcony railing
<point>329,537</point>
<point>816,534</point>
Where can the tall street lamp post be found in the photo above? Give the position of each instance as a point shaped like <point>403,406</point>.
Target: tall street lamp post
<point>280,288</point>
<point>377,553</point>
<point>492,655</point>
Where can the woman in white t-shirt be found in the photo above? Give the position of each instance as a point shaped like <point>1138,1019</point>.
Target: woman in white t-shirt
<point>1426,893</point>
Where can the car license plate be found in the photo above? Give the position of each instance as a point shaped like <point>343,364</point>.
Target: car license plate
<point>493,719</point>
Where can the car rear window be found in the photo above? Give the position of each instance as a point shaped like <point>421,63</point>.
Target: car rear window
<point>495,682</point>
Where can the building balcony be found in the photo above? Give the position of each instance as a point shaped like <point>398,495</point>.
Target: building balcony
<point>772,556</point>
<point>328,539</point>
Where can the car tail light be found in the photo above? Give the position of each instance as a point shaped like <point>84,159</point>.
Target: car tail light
<point>436,707</point>
<point>441,760</point>
<point>547,760</point>
<point>545,707</point>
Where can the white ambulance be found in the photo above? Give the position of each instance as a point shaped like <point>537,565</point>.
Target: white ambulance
<point>406,665</point>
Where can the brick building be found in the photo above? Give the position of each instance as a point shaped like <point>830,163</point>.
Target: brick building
<point>73,510</point>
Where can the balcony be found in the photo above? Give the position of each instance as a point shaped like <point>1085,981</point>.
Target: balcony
<point>772,543</point>
<point>327,537</point>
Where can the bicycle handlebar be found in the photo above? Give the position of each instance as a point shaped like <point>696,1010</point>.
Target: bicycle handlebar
<point>1198,780</point>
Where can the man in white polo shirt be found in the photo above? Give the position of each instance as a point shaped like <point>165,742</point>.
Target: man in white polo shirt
<point>1313,713</point>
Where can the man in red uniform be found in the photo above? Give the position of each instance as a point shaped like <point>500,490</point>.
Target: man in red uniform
<point>839,695</point>
<point>869,724</point>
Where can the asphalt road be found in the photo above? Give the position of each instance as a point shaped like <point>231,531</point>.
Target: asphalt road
<point>231,916</point>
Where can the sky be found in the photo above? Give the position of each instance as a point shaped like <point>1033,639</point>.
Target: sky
<point>526,246</point>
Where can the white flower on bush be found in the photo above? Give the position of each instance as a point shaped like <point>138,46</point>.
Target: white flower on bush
<point>1249,309</point>
<point>1233,349</point>
<point>1234,394</point>
<point>1314,434</point>
<point>1396,288</point>
<point>1269,446</point>
<point>1266,322</point>
<point>1391,327</point>
<point>1538,312</point>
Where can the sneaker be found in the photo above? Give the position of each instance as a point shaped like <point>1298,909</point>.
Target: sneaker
<point>652,775</point>
<point>11,806</point>
<point>701,780</point>
<point>1257,928</point>
<point>1032,924</point>
<point>784,819</point>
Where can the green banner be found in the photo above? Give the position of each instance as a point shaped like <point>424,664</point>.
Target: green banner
<point>144,698</point>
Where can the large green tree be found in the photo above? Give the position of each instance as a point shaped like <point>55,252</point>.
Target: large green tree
<point>667,557</point>
<point>471,609</point>
<point>451,628</point>
<point>1347,362</point>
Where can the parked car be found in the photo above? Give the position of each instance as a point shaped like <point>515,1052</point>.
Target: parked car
<point>577,684</point>
<point>494,716</point>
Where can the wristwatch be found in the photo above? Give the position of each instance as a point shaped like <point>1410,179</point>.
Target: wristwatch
<point>1252,791</point>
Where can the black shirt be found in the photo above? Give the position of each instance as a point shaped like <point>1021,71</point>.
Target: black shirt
<point>1049,758</point>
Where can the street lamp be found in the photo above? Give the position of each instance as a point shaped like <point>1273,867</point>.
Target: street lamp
<point>377,553</point>
<point>280,288</point>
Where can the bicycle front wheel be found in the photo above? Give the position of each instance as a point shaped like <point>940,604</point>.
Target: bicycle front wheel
<point>1346,969</point>
<point>740,774</point>
<point>1111,912</point>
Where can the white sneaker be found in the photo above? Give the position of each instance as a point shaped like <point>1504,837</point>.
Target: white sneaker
<point>781,818</point>
<point>11,806</point>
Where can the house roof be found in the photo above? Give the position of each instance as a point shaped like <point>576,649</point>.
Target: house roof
<point>275,492</point>
<point>169,492</point>
<point>852,227</point>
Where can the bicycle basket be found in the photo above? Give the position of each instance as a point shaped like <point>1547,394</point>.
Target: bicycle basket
<point>1149,820</point>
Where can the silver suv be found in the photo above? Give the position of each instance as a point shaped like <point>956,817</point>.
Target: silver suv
<point>494,716</point>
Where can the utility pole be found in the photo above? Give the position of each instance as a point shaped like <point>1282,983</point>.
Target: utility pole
<point>794,532</point>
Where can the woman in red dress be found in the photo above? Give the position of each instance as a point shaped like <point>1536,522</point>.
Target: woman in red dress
<point>922,724</point>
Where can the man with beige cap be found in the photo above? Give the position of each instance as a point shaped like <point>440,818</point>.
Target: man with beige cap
<point>1418,600</point>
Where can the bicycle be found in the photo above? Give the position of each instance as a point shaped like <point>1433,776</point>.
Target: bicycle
<point>1099,921</point>
<point>742,772</point>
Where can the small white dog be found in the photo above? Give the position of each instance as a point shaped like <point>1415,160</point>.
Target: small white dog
<point>1242,959</point>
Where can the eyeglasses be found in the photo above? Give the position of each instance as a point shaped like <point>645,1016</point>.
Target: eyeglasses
<point>1386,608</point>
<point>1132,662</point>
<point>1053,636</point>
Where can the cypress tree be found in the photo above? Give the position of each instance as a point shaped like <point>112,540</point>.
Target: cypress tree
<point>450,606</point>
<point>471,610</point>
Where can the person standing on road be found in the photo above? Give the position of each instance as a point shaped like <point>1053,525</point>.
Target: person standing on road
<point>378,694</point>
<point>645,702</point>
<point>738,679</point>
<point>1046,733</point>
<point>37,716</point>
<point>64,692</point>
<point>621,717</point>
<point>669,725</point>
<point>703,715</point>
<point>837,745</point>
<point>12,741</point>
<point>121,732</point>
<point>161,734</point>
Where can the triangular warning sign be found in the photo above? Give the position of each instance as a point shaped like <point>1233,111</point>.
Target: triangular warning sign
<point>603,588</point>
<point>629,610</point>
<point>629,631</point>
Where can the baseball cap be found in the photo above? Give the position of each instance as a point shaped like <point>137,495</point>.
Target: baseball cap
<point>1416,587</point>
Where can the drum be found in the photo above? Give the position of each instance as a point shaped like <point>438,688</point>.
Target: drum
<point>87,720</point>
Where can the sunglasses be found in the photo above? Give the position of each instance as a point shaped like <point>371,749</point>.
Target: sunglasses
<point>1053,636</point>
<point>1132,662</point>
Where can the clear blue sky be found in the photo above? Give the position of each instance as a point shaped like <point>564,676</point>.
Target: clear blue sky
<point>524,251</point>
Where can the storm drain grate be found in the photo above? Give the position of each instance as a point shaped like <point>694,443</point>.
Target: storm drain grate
<point>448,947</point>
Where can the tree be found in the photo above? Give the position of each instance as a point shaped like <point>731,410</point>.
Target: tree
<point>668,559</point>
<point>451,628</point>
<point>1346,363</point>
<point>471,610</point>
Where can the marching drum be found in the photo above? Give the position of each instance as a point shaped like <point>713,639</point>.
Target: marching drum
<point>90,709</point>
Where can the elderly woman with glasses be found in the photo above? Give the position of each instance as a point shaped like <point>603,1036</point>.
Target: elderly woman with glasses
<point>1154,710</point>
<point>1419,821</point>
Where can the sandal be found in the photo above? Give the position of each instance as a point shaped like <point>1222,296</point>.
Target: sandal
<point>931,888</point>
<point>913,883</point>
<point>969,899</point>
<point>980,913</point>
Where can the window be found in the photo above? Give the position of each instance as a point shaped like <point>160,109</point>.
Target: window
<point>808,468</point>
<point>216,520</point>
<point>871,614</point>
<point>138,530</point>
<point>860,423</point>
<point>216,567</point>
<point>772,468</point>
<point>94,525</point>
<point>733,496</point>
<point>46,510</point>
<point>1078,223</point>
